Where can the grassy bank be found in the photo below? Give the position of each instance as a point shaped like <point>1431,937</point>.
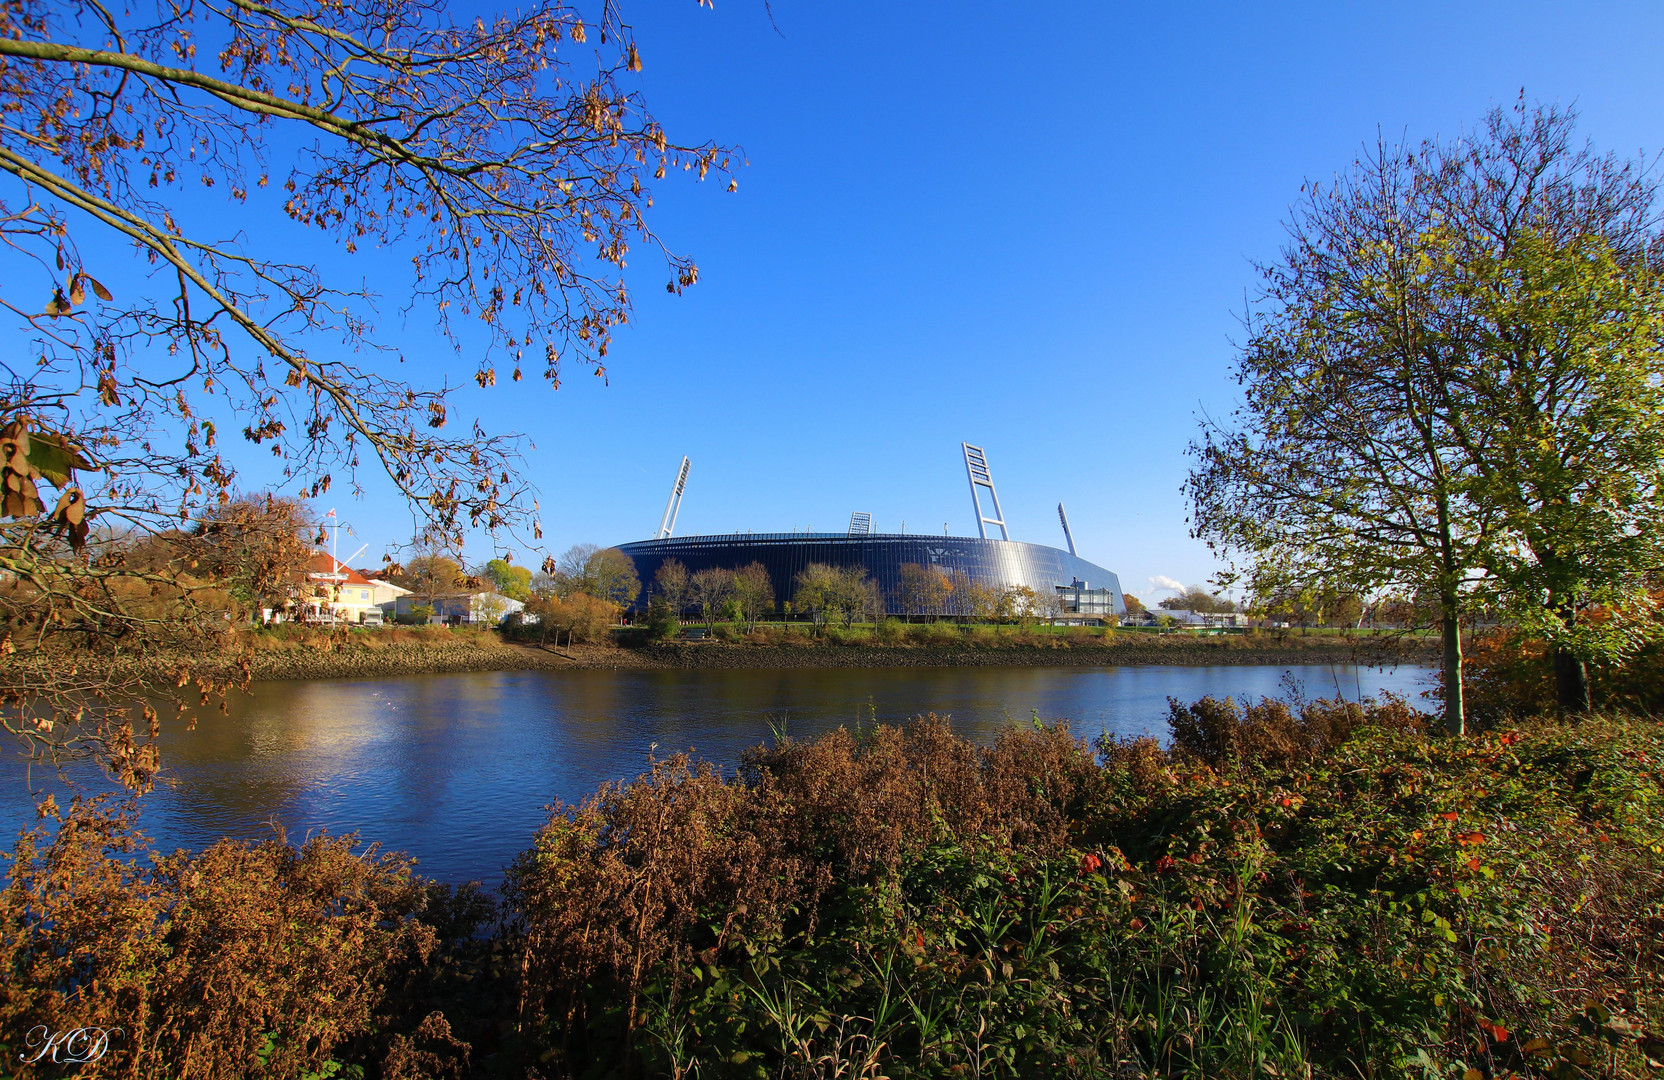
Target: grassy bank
<point>952,646</point>
<point>297,652</point>
<point>1321,891</point>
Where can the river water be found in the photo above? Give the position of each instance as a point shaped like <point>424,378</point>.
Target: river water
<point>457,769</point>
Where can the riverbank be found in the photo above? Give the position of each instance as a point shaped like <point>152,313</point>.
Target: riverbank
<point>357,655</point>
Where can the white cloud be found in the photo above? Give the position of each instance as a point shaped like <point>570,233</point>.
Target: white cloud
<point>1163,583</point>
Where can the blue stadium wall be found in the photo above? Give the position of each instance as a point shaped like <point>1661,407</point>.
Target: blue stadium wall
<point>993,563</point>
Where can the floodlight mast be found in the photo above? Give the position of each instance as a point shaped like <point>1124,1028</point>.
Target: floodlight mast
<point>1067,535</point>
<point>976,469</point>
<point>667,524</point>
<point>860,523</point>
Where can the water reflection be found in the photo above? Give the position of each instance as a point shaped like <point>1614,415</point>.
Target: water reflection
<point>458,768</point>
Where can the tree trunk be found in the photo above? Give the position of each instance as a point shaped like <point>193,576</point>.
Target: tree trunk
<point>1571,682</point>
<point>1455,717</point>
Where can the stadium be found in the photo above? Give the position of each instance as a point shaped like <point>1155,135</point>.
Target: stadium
<point>1088,592</point>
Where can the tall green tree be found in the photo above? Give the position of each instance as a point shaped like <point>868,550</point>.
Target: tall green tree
<point>1561,423</point>
<point>1384,385</point>
<point>605,573</point>
<point>835,592</point>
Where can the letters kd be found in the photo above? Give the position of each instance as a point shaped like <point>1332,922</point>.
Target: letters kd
<point>76,1046</point>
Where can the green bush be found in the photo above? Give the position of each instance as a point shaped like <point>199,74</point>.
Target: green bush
<point>889,632</point>
<point>936,633</point>
<point>847,635</point>
<point>660,623</point>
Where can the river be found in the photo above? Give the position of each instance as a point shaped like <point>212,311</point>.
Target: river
<point>457,769</point>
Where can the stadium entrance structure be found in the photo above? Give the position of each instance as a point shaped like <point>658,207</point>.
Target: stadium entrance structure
<point>1087,592</point>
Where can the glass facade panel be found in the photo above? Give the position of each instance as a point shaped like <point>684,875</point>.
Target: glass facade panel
<point>994,564</point>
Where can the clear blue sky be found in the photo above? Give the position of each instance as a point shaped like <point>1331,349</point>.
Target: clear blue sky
<point>1029,227</point>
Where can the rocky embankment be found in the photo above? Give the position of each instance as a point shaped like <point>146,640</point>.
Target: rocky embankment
<point>1126,652</point>
<point>330,657</point>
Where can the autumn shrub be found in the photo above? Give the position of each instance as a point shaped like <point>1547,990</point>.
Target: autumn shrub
<point>624,899</point>
<point>630,885</point>
<point>577,618</point>
<point>1508,676</point>
<point>1354,897</point>
<point>247,960</point>
<point>1219,731</point>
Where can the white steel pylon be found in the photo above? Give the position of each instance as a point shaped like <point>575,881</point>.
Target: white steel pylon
<point>1067,535</point>
<point>667,524</point>
<point>860,523</point>
<point>976,468</point>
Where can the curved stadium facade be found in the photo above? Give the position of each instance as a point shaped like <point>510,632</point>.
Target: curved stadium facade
<point>1088,589</point>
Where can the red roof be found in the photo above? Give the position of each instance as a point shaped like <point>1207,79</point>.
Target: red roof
<point>322,567</point>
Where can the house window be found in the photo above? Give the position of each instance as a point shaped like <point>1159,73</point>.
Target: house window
<point>363,594</point>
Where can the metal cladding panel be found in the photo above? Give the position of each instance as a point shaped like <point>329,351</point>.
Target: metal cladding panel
<point>993,563</point>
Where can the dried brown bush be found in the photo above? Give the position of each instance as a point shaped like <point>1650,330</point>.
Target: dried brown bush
<point>628,880</point>
<point>1218,731</point>
<point>246,960</point>
<point>652,875</point>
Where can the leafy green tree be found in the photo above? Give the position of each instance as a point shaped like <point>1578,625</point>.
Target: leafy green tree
<point>612,577</point>
<point>605,573</point>
<point>1199,600</point>
<point>661,622</point>
<point>841,593</point>
<point>1561,429</point>
<point>514,582</point>
<point>1397,356</point>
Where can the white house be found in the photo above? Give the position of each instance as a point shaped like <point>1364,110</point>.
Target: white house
<point>484,607</point>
